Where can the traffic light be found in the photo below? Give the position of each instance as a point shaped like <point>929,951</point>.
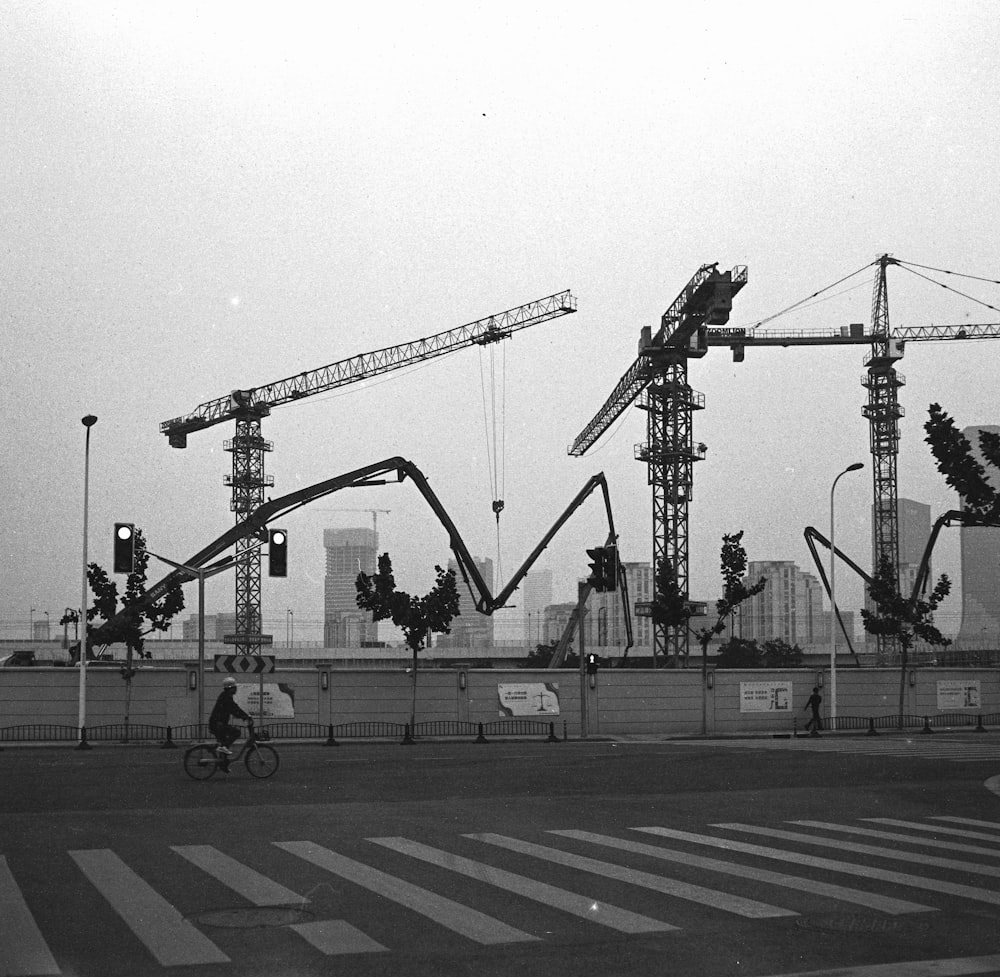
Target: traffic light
<point>593,663</point>
<point>610,568</point>
<point>603,568</point>
<point>277,553</point>
<point>124,547</point>
<point>596,578</point>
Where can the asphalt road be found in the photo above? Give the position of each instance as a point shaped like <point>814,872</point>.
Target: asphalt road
<point>456,859</point>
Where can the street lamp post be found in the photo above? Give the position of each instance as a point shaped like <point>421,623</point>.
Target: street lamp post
<point>289,627</point>
<point>857,466</point>
<point>31,625</point>
<point>88,422</point>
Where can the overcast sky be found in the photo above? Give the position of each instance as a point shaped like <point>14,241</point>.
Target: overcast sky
<point>204,196</point>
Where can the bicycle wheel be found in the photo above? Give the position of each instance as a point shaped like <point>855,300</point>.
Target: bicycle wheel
<point>200,762</point>
<point>261,760</point>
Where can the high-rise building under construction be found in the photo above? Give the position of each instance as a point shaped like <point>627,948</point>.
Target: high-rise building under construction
<point>348,553</point>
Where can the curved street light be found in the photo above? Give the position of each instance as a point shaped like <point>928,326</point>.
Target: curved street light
<point>857,466</point>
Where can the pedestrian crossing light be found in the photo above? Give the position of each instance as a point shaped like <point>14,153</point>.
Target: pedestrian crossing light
<point>593,663</point>
<point>277,553</point>
<point>124,547</point>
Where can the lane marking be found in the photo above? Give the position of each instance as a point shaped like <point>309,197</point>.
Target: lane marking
<point>992,871</point>
<point>896,836</point>
<point>460,919</point>
<point>585,907</point>
<point>23,950</point>
<point>750,908</point>
<point>885,904</point>
<point>953,967</point>
<point>847,868</point>
<point>245,881</point>
<point>159,926</point>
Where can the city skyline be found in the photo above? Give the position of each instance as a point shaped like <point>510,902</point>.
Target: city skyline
<point>200,203</point>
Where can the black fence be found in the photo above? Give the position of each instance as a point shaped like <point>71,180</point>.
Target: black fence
<point>330,734</point>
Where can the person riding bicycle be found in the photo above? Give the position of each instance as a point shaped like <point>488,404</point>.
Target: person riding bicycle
<point>224,709</point>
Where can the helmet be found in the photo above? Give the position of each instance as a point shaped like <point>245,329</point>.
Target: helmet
<point>229,683</point>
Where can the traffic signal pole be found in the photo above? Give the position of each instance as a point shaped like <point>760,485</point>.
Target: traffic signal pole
<point>582,589</point>
<point>201,573</point>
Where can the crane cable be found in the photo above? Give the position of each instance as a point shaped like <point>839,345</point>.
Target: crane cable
<point>495,442</point>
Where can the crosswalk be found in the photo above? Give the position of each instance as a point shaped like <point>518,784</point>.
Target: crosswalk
<point>368,896</point>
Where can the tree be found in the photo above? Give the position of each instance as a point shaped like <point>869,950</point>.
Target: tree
<point>962,471</point>
<point>416,617</point>
<point>740,653</point>
<point>135,623</point>
<point>670,608</point>
<point>735,589</point>
<point>780,654</point>
<point>904,618</point>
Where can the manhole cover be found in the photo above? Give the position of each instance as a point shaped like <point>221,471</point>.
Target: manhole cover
<point>253,918</point>
<point>848,923</point>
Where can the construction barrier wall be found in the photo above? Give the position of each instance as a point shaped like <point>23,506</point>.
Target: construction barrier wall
<point>617,702</point>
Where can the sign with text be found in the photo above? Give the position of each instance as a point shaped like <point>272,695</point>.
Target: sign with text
<point>529,699</point>
<point>765,696</point>
<point>279,700</point>
<point>958,694</point>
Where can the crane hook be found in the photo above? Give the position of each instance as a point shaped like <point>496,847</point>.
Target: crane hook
<point>497,509</point>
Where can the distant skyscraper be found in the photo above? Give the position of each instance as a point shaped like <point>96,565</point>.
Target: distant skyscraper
<point>980,567</point>
<point>348,553</point>
<point>790,607</point>
<point>536,591</point>
<point>605,620</point>
<point>470,629</point>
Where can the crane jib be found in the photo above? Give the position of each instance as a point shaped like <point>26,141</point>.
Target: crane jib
<point>492,329</point>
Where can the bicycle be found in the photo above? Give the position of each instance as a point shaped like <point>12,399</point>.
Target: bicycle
<point>261,760</point>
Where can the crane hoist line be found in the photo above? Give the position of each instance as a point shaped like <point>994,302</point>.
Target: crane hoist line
<point>260,400</point>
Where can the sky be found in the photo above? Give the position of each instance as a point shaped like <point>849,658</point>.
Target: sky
<point>199,197</point>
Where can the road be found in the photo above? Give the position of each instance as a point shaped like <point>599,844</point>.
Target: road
<point>871,857</point>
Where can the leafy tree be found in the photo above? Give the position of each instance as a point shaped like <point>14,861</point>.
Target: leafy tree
<point>961,469</point>
<point>416,617</point>
<point>670,608</point>
<point>135,623</point>
<point>904,618</point>
<point>735,590</point>
<point>740,653</point>
<point>780,654</point>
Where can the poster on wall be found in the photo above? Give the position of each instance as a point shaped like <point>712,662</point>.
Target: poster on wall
<point>529,699</point>
<point>279,699</point>
<point>958,694</point>
<point>765,696</point>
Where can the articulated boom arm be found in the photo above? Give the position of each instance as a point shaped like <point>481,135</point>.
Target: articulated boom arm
<point>371,475</point>
<point>261,399</point>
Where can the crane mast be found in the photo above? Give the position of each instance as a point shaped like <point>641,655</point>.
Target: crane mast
<point>883,413</point>
<point>248,447</point>
<point>658,378</point>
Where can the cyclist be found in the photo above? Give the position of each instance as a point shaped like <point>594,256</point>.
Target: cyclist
<point>224,709</point>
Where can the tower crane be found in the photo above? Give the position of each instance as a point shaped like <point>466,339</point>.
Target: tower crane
<point>248,407</point>
<point>659,375</point>
<point>658,378</point>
